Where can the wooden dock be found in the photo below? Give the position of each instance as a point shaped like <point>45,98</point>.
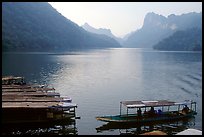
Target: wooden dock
<point>31,103</point>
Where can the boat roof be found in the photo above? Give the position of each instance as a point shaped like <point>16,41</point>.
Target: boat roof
<point>153,103</point>
<point>11,78</point>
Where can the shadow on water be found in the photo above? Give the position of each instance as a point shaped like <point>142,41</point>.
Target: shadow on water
<point>170,128</point>
<point>63,128</point>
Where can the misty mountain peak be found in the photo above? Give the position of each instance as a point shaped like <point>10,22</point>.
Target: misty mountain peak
<point>152,15</point>
<point>171,16</point>
<point>104,31</point>
<point>153,19</point>
<point>87,27</point>
<point>86,24</point>
<point>157,27</point>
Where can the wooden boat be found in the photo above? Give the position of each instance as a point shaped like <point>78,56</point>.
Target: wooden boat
<point>37,110</point>
<point>167,111</point>
<point>33,104</point>
<point>170,127</point>
<point>8,80</point>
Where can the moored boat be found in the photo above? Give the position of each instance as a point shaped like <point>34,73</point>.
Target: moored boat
<point>8,80</point>
<point>33,103</point>
<point>160,110</point>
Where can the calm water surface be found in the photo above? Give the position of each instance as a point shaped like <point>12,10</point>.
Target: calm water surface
<point>98,80</point>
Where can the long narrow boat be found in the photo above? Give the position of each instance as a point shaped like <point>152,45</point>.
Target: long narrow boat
<point>161,110</point>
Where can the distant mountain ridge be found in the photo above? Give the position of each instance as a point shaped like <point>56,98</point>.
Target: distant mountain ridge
<point>103,31</point>
<point>37,26</point>
<point>107,32</point>
<point>183,40</point>
<point>157,27</point>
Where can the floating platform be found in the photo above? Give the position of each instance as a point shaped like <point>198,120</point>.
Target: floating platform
<point>22,103</point>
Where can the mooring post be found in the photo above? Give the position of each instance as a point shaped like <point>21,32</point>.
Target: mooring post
<point>178,107</point>
<point>195,107</point>
<point>120,107</point>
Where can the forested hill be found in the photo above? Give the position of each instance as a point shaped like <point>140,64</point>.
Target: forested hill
<point>37,26</point>
<point>188,40</point>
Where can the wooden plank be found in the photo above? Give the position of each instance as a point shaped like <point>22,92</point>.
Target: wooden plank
<point>36,105</point>
<point>28,104</point>
<point>15,86</point>
<point>30,99</point>
<point>27,89</point>
<point>30,94</point>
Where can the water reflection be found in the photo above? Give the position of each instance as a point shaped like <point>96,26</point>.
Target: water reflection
<point>170,128</point>
<point>65,128</point>
<point>98,80</point>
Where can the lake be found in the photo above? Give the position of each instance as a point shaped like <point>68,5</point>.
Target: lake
<point>97,80</point>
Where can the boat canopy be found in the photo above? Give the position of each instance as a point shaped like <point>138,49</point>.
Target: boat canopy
<point>153,103</point>
<point>11,78</point>
<point>7,80</point>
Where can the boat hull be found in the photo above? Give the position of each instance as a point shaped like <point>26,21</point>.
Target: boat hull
<point>134,118</point>
<point>138,128</point>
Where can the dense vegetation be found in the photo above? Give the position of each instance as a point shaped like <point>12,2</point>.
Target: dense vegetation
<point>188,40</point>
<point>37,26</point>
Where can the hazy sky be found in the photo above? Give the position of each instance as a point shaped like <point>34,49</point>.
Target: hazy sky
<point>120,17</point>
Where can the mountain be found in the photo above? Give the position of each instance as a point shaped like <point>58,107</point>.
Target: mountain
<point>157,27</point>
<point>104,31</point>
<point>89,28</point>
<point>127,35</point>
<point>37,26</point>
<point>185,40</point>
